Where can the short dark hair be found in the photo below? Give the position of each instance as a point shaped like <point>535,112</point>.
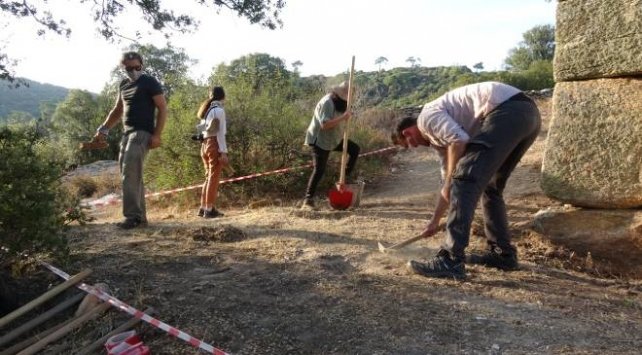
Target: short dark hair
<point>131,56</point>
<point>404,123</point>
<point>218,93</point>
<point>396,136</point>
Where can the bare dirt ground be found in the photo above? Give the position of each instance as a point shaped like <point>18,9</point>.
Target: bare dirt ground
<point>277,280</point>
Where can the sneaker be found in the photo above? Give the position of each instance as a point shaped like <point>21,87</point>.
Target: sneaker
<point>201,212</point>
<point>441,266</point>
<point>214,213</point>
<point>308,205</point>
<point>506,262</point>
<point>131,224</point>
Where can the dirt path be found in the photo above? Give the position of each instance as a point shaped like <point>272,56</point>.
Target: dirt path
<point>277,280</point>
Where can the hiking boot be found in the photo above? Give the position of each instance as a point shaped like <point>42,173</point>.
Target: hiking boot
<point>131,223</point>
<point>492,258</point>
<point>214,213</point>
<point>201,212</point>
<point>308,205</point>
<point>441,266</point>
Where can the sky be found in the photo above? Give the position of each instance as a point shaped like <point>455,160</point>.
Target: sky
<point>322,34</point>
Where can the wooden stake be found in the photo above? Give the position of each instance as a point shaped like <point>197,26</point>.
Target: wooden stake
<point>25,343</point>
<point>65,329</point>
<point>44,297</point>
<point>6,339</point>
<point>123,327</point>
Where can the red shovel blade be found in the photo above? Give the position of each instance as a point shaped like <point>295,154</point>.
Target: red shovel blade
<point>340,197</point>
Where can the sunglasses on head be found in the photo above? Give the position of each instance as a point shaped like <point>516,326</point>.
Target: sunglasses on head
<point>135,68</point>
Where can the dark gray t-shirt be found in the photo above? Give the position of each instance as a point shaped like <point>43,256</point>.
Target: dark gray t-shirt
<point>138,104</point>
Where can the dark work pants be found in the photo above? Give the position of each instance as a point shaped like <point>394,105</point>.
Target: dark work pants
<point>489,159</point>
<point>320,160</point>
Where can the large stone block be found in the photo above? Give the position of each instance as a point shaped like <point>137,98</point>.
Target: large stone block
<point>613,237</point>
<point>598,39</point>
<point>593,155</point>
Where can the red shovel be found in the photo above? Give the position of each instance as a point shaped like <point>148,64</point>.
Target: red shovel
<point>341,196</point>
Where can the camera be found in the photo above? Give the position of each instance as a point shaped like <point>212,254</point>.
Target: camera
<point>197,137</point>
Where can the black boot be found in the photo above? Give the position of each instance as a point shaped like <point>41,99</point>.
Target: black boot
<point>495,258</point>
<point>441,266</point>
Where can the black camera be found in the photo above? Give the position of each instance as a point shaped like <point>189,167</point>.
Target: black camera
<point>197,137</point>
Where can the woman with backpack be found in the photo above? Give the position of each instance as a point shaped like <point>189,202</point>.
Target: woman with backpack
<point>213,149</point>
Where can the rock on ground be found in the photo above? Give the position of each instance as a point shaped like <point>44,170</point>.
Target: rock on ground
<point>611,236</point>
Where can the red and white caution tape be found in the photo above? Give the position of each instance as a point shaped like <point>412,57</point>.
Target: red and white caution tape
<point>101,203</point>
<point>139,314</point>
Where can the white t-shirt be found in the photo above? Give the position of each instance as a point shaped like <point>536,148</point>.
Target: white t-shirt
<point>456,116</point>
<point>216,113</point>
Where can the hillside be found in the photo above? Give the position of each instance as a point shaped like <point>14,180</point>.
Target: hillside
<point>28,98</point>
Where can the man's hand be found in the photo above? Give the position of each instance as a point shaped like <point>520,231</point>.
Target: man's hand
<point>431,229</point>
<point>222,159</point>
<point>347,115</point>
<point>155,142</point>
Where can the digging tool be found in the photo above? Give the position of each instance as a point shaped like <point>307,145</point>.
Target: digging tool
<point>341,196</point>
<point>408,241</point>
<point>98,142</point>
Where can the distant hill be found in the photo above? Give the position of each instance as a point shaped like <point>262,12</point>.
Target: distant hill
<point>27,98</point>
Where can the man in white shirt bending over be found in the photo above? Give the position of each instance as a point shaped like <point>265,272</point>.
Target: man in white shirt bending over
<point>480,131</point>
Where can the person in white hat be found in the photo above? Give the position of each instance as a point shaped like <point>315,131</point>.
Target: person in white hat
<point>325,135</point>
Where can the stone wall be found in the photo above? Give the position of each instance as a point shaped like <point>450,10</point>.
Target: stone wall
<point>598,39</point>
<point>594,147</point>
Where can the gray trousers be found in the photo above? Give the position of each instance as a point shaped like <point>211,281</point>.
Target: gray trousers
<point>133,149</point>
<point>489,159</point>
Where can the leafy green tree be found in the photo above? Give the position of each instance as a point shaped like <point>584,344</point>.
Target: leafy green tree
<point>158,15</point>
<point>75,120</point>
<point>169,65</point>
<point>478,66</point>
<point>538,44</point>
<point>256,70</point>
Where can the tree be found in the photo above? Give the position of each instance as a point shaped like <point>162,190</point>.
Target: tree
<point>414,62</point>
<point>169,65</point>
<point>381,61</point>
<point>479,66</point>
<point>75,120</point>
<point>255,70</point>
<point>538,44</point>
<point>158,15</point>
<point>296,65</point>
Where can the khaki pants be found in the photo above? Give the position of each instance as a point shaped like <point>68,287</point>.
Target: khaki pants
<point>210,155</point>
<point>133,149</point>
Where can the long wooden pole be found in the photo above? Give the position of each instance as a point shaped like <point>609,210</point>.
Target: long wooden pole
<point>25,343</point>
<point>6,339</point>
<point>78,321</point>
<point>44,297</point>
<point>344,153</point>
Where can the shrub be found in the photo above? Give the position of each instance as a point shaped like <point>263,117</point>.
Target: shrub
<point>33,207</point>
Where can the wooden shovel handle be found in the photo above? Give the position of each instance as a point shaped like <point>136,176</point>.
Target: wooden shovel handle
<point>344,153</point>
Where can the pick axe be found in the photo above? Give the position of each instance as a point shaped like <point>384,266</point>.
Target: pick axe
<point>402,244</point>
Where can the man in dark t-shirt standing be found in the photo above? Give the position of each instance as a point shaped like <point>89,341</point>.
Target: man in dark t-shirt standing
<point>140,96</point>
